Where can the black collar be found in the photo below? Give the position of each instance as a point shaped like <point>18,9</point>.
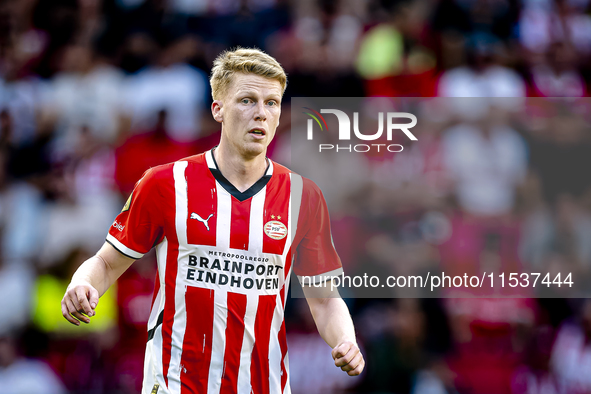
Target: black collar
<point>225,183</point>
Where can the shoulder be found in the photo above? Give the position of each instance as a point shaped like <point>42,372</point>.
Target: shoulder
<point>310,191</point>
<point>164,173</point>
<point>309,187</point>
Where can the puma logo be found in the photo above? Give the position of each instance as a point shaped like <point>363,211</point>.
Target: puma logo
<point>204,221</point>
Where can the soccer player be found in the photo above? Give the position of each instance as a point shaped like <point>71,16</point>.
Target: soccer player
<point>229,226</point>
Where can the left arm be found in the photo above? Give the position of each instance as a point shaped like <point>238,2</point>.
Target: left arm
<point>335,326</point>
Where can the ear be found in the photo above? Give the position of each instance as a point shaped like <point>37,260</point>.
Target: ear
<point>217,110</point>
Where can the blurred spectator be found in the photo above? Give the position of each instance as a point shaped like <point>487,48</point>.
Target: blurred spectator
<point>571,354</point>
<point>47,294</point>
<point>483,75</point>
<point>535,375</point>
<point>489,339</point>
<point>560,234</point>
<point>485,185</point>
<point>145,150</point>
<point>86,94</point>
<point>20,375</point>
<point>94,92</point>
<point>393,57</point>
<point>21,95</point>
<point>559,76</point>
<point>173,85</point>
<point>543,23</point>
<point>308,352</point>
<point>84,197</point>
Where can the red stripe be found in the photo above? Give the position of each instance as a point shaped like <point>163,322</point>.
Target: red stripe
<point>287,268</point>
<point>283,343</point>
<point>240,224</point>
<point>202,201</point>
<point>259,367</point>
<point>276,209</point>
<point>234,337</point>
<point>156,288</point>
<point>196,355</point>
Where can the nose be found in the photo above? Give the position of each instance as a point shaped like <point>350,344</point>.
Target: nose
<point>260,114</point>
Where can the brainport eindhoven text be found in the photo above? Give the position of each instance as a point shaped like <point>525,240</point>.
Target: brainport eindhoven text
<point>238,274</point>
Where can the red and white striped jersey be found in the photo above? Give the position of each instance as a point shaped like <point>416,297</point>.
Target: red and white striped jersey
<point>224,263</point>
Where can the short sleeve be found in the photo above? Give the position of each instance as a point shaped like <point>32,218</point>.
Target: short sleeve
<point>316,258</point>
<point>139,226</point>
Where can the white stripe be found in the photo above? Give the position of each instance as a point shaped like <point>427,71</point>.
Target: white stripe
<point>209,159</point>
<point>295,203</point>
<point>180,317</point>
<point>288,278</point>
<point>153,319</point>
<point>161,251</point>
<point>124,249</point>
<point>270,169</point>
<point>161,259</point>
<point>224,217</point>
<point>275,349</point>
<point>255,228</point>
<point>182,202</point>
<point>153,372</point>
<point>218,344</point>
<point>290,221</point>
<point>148,381</point>
<point>287,389</point>
<point>244,386</point>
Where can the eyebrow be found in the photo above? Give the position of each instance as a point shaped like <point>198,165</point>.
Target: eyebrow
<point>273,96</point>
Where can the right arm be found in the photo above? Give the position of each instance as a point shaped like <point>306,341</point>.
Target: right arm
<point>136,229</point>
<point>90,281</point>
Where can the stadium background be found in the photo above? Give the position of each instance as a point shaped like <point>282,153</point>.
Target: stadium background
<point>93,92</point>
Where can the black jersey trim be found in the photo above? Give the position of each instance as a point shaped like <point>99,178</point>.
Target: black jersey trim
<point>118,250</point>
<point>158,323</point>
<point>240,196</point>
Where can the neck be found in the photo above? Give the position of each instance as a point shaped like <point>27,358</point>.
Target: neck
<point>239,171</point>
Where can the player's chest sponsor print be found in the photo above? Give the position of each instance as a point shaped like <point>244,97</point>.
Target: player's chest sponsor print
<point>234,271</point>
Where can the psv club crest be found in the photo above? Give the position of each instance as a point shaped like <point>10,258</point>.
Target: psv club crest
<point>275,229</point>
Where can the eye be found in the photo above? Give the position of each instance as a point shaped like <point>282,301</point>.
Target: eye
<point>272,103</point>
<point>245,101</point>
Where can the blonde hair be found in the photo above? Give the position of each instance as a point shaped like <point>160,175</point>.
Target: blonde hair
<point>243,60</point>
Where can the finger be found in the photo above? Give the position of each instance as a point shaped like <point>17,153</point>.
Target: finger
<point>346,359</point>
<point>341,350</point>
<point>357,370</point>
<point>83,301</point>
<point>67,315</point>
<point>75,312</point>
<point>73,297</point>
<point>354,363</point>
<point>94,299</point>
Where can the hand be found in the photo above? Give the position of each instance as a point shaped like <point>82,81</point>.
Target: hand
<point>348,357</point>
<point>79,302</point>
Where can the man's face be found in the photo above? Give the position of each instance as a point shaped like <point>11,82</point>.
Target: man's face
<point>249,112</point>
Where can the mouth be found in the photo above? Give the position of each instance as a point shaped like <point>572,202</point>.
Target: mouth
<point>258,132</point>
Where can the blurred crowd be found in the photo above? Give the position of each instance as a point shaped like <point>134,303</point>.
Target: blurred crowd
<point>94,92</point>
<point>491,186</point>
